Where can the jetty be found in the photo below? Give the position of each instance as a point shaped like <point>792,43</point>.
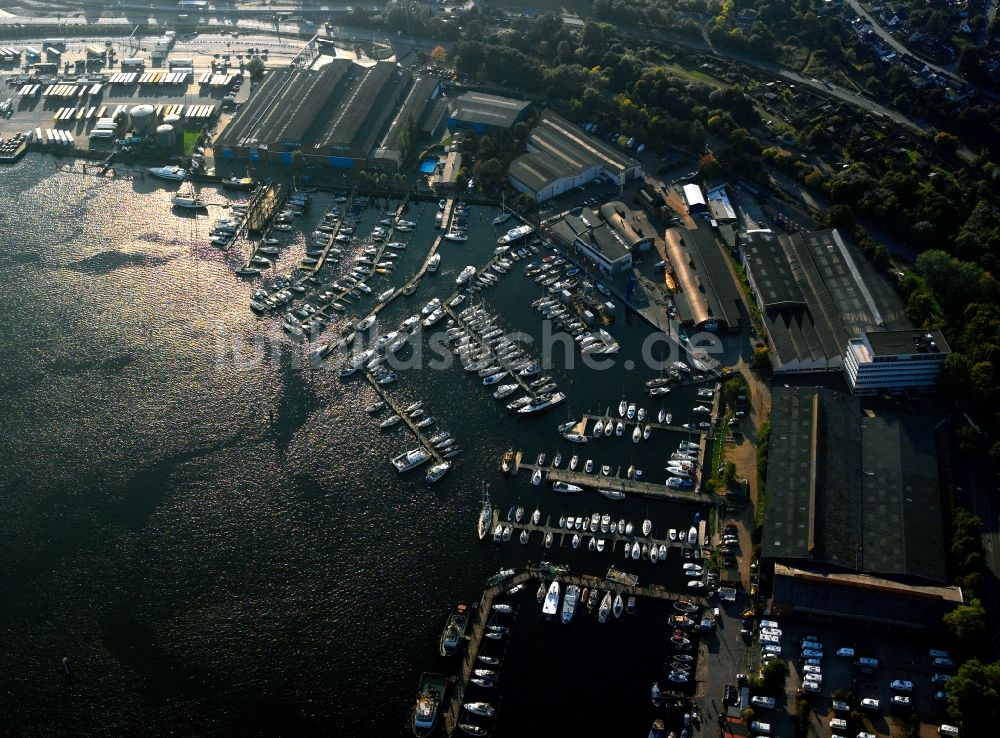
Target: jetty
<point>631,424</point>
<point>480,619</point>
<point>616,484</point>
<point>405,417</point>
<point>477,339</point>
<point>563,537</point>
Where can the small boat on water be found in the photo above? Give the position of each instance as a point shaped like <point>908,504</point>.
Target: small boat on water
<point>430,695</point>
<point>485,514</point>
<point>605,609</point>
<point>551,604</point>
<point>566,488</point>
<point>479,708</point>
<point>454,630</point>
<point>569,603</point>
<point>472,728</point>
<point>437,471</point>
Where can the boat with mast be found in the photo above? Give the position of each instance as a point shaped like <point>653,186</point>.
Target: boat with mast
<point>485,513</point>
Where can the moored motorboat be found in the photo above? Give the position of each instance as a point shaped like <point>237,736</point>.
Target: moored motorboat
<point>430,695</point>
<point>479,708</point>
<point>454,630</point>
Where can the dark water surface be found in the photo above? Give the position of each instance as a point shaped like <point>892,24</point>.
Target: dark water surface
<point>209,571</point>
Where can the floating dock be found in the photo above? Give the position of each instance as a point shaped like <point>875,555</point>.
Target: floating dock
<point>405,417</point>
<point>563,537</point>
<point>633,423</point>
<point>617,484</point>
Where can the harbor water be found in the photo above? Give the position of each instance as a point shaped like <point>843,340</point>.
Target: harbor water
<point>208,528</point>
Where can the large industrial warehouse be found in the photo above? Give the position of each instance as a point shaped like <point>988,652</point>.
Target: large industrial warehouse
<point>561,156</point>
<point>343,114</point>
<point>815,292</point>
<point>853,525</point>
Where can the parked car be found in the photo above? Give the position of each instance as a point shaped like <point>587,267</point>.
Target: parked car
<point>901,699</point>
<point>847,653</point>
<point>901,685</point>
<point>869,703</point>
<point>941,678</point>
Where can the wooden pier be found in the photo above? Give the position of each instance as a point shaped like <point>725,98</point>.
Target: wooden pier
<point>564,537</point>
<point>631,424</point>
<point>474,638</point>
<point>475,337</point>
<point>617,484</point>
<point>480,619</point>
<point>405,417</point>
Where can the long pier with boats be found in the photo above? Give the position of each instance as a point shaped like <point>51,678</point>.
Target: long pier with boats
<point>475,337</point>
<point>405,417</point>
<point>615,484</point>
<point>563,536</point>
<point>632,424</point>
<point>614,581</point>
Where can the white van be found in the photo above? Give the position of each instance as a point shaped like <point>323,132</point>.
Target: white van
<point>767,702</point>
<point>838,724</point>
<point>759,727</point>
<point>768,623</point>
<point>867,662</point>
<point>949,730</point>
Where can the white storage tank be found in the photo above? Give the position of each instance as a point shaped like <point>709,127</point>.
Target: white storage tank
<point>142,117</point>
<point>173,119</point>
<point>165,135</point>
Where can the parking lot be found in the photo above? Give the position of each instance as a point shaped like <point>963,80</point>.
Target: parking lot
<point>901,658</point>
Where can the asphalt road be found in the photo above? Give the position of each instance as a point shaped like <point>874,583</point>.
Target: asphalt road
<point>897,46</point>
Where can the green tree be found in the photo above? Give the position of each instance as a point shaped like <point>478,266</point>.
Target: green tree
<point>920,309</point>
<point>946,142</point>
<point>968,624</point>
<point>255,67</point>
<point>731,390</point>
<point>974,697</point>
<point>772,676</point>
<point>953,282</point>
<point>408,138</point>
<point>761,363</point>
